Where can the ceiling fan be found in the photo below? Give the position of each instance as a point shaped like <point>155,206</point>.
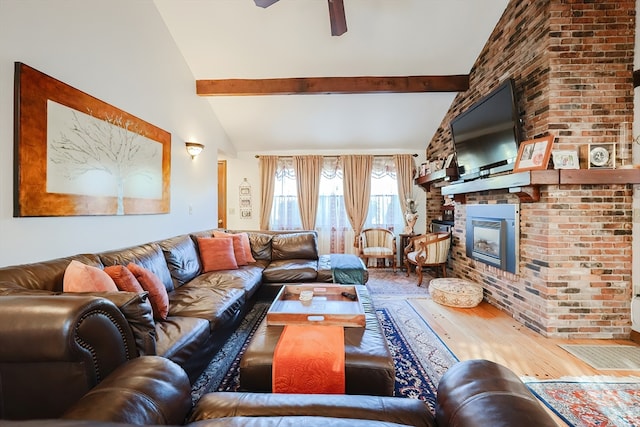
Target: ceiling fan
<point>336,14</point>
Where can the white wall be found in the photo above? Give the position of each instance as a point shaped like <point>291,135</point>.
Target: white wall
<point>120,52</point>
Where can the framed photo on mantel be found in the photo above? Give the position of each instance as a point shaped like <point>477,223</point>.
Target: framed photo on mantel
<point>534,154</point>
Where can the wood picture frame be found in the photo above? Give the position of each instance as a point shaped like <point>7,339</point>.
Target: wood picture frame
<point>77,155</point>
<point>602,156</point>
<point>534,154</point>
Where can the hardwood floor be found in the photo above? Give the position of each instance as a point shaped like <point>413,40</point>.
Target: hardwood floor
<point>485,332</point>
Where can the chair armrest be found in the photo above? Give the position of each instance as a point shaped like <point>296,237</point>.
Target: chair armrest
<point>147,390</point>
<point>413,242</point>
<point>381,408</point>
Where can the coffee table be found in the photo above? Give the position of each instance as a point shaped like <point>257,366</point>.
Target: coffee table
<point>331,304</point>
<point>368,362</point>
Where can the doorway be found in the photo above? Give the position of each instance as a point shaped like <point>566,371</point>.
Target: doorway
<point>222,194</point>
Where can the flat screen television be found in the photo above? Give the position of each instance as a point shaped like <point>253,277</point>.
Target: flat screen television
<point>487,135</point>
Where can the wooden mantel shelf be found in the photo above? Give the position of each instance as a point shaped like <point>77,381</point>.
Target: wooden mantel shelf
<point>526,185</point>
<point>439,176</point>
<point>600,176</point>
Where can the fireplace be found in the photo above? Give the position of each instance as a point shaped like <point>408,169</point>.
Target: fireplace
<point>492,235</point>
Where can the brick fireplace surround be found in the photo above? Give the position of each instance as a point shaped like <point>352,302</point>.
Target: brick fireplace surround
<point>572,62</point>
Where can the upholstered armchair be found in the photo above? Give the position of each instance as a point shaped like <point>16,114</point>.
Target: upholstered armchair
<point>378,243</point>
<point>427,250</point>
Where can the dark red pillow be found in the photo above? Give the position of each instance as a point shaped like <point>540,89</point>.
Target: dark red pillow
<point>151,283</point>
<point>125,280</point>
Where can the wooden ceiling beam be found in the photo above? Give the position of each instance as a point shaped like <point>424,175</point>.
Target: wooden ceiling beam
<point>332,85</point>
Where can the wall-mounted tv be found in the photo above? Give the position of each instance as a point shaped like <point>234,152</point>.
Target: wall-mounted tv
<point>487,135</point>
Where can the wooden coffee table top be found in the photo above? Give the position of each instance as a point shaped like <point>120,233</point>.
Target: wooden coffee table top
<point>331,305</point>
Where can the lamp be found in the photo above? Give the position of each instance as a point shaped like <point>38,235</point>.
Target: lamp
<point>193,148</point>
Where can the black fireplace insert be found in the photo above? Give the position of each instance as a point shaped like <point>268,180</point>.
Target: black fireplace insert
<point>492,235</point>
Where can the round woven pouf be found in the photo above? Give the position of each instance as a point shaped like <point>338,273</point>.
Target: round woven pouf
<point>455,292</point>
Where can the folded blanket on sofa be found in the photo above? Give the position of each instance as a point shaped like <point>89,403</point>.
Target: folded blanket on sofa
<point>347,269</point>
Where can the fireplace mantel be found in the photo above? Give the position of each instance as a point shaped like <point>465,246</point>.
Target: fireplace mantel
<point>526,185</point>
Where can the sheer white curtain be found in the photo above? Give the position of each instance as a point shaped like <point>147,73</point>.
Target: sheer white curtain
<point>385,209</point>
<point>335,234</point>
<point>285,214</point>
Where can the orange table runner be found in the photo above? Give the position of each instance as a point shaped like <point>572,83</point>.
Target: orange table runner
<point>309,359</point>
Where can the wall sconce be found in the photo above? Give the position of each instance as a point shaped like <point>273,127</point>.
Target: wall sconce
<point>193,148</point>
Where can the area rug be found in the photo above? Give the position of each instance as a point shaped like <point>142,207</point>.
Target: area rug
<point>420,357</point>
<point>591,401</point>
<point>383,281</point>
<point>216,376</point>
<point>607,357</point>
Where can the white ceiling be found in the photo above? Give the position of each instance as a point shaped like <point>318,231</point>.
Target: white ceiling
<point>225,39</point>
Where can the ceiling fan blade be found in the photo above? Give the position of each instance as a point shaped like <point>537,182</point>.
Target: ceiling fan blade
<point>264,3</point>
<point>337,17</point>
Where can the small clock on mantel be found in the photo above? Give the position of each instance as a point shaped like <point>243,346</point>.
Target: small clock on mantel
<point>602,156</point>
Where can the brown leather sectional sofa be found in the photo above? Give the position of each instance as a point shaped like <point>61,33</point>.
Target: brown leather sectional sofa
<point>152,390</point>
<point>101,359</point>
<point>63,344</point>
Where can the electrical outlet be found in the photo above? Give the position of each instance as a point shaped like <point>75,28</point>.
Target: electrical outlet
<point>636,215</point>
<point>232,211</point>
<point>190,209</point>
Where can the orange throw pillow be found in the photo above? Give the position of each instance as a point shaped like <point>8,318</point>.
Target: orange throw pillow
<point>244,245</point>
<point>217,253</point>
<point>79,277</point>
<point>151,283</point>
<point>125,280</point>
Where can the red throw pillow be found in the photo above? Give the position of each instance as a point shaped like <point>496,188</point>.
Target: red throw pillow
<point>125,280</point>
<point>245,245</point>
<point>79,277</point>
<point>151,283</point>
<point>217,253</point>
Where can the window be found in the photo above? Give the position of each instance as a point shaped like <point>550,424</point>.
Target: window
<point>285,213</point>
<point>333,227</point>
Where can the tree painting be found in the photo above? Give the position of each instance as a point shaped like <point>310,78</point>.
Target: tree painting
<point>100,157</point>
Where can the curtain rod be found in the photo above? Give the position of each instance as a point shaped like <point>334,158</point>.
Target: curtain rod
<point>375,155</point>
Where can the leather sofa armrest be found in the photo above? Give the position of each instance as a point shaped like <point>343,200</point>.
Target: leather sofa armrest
<point>60,347</point>
<point>381,408</point>
<point>147,390</point>
<point>65,327</point>
<point>484,393</point>
<point>136,308</point>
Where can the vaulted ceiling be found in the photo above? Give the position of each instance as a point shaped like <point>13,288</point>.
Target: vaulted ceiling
<point>235,39</point>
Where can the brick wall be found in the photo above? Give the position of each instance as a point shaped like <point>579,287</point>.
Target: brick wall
<point>572,62</point>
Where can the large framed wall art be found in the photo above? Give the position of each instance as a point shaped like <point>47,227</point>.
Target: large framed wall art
<point>77,155</point>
